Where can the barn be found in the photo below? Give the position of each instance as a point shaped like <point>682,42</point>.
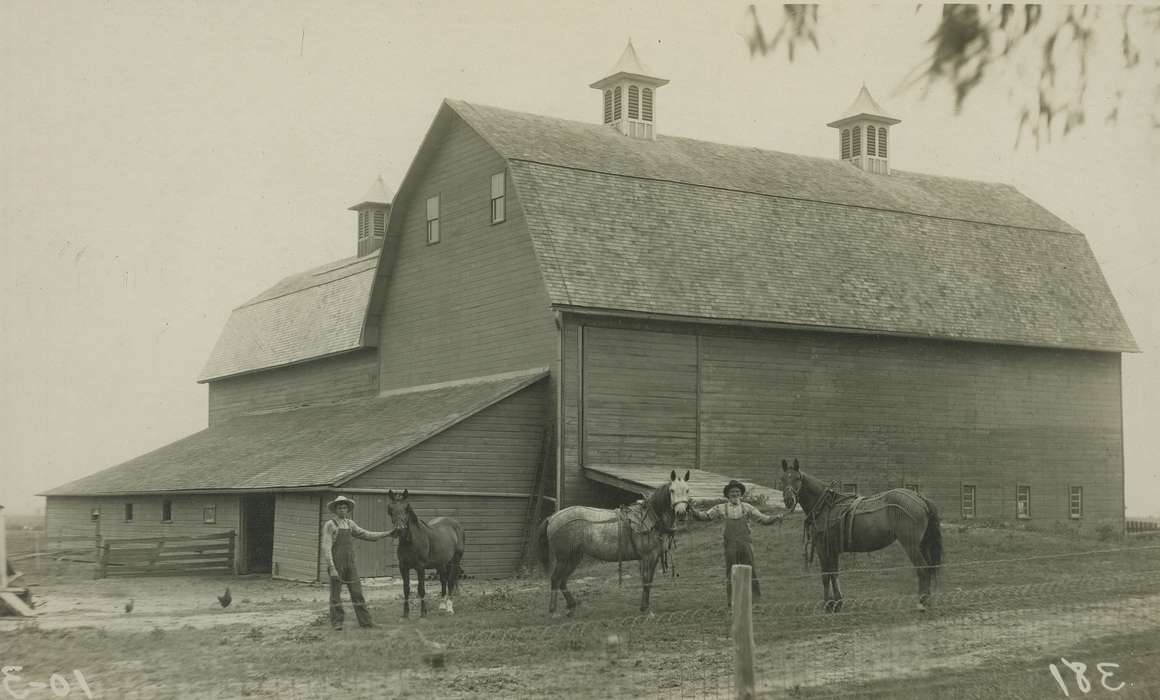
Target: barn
<point>552,312</point>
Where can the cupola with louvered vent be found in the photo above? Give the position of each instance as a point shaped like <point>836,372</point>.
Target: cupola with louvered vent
<point>373,210</point>
<point>864,134</point>
<point>629,96</point>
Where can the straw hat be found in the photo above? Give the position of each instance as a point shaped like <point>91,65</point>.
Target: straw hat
<point>340,499</point>
<point>734,484</point>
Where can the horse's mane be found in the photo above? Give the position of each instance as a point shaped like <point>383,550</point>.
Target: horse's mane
<point>660,500</point>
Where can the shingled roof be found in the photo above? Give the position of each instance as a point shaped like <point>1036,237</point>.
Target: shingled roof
<point>322,446</point>
<point>305,316</point>
<point>688,228</point>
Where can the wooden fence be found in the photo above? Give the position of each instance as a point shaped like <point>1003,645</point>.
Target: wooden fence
<point>1136,526</point>
<point>167,555</point>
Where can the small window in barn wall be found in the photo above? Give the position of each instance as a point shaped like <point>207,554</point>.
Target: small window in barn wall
<point>498,197</point>
<point>209,515</point>
<point>912,487</point>
<point>1075,501</point>
<point>432,219</point>
<point>968,502</point>
<point>1023,501</point>
<point>128,512</point>
<point>167,511</point>
<point>850,489</point>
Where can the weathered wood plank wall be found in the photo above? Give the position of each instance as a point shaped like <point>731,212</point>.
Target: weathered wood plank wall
<point>296,536</point>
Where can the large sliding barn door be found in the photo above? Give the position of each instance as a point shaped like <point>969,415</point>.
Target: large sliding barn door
<point>639,403</point>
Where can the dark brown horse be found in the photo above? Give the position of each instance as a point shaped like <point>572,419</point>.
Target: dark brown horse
<point>837,523</point>
<point>637,532</point>
<point>425,544</point>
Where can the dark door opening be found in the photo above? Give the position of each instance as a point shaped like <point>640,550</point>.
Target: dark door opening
<point>257,534</point>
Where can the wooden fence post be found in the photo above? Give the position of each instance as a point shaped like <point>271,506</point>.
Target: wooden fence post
<point>103,561</point>
<point>744,678</point>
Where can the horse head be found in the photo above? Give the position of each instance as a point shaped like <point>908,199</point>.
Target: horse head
<point>401,513</point>
<point>679,493</point>
<point>791,484</point>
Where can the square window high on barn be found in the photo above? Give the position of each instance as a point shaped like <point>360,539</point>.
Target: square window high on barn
<point>128,512</point>
<point>1075,502</point>
<point>1023,501</point>
<point>912,487</point>
<point>209,514</point>
<point>498,197</point>
<point>968,501</point>
<point>432,220</point>
<point>167,511</point>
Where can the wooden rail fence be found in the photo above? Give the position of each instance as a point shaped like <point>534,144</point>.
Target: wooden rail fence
<point>1135,526</point>
<point>167,555</point>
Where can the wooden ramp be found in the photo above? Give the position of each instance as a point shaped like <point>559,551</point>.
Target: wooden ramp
<point>705,485</point>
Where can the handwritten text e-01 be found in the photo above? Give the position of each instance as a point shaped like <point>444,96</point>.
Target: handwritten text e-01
<point>16,687</point>
<point>1079,668</point>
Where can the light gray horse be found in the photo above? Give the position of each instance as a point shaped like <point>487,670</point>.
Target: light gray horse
<point>638,532</point>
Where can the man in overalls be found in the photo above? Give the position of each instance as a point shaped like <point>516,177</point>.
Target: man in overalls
<point>738,543</point>
<point>338,535</point>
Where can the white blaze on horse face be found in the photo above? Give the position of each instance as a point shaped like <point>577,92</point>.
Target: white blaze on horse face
<point>679,495</point>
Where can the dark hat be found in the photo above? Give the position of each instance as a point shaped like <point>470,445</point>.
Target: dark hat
<point>340,499</point>
<point>734,484</point>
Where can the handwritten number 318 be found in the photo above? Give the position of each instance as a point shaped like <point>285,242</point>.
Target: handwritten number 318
<point>1080,669</point>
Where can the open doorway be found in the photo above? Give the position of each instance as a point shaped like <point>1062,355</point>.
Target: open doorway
<point>257,540</point>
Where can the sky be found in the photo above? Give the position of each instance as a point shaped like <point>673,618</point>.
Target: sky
<point>161,163</point>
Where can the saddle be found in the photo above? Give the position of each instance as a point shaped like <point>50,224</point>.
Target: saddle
<point>831,524</point>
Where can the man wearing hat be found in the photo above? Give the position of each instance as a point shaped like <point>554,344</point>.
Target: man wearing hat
<point>338,535</point>
<point>738,544</point>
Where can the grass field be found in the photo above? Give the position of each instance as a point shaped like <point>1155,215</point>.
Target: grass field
<point>1010,603</point>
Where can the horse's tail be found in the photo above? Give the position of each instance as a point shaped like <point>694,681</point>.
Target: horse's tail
<point>932,544</point>
<point>542,544</point>
<point>460,545</point>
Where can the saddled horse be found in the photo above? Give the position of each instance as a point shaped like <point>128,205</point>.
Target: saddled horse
<point>837,523</point>
<point>639,532</point>
<point>425,544</point>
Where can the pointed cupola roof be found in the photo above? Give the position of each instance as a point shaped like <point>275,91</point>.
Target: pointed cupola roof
<point>378,195</point>
<point>863,106</point>
<point>629,67</point>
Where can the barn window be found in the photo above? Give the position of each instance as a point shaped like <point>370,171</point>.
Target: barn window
<point>608,106</point>
<point>498,197</point>
<point>364,224</point>
<point>616,103</point>
<point>845,143</point>
<point>912,487</point>
<point>128,512</point>
<point>870,147</point>
<point>633,102</point>
<point>881,142</point>
<point>1075,501</point>
<point>968,502</point>
<point>646,104</point>
<point>432,219</point>
<point>379,225</point>
<point>850,489</point>
<point>167,511</point>
<point>95,513</point>
<point>209,514</point>
<point>1023,501</point>
<point>856,149</point>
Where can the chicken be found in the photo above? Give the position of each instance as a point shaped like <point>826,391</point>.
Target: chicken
<point>129,606</point>
<point>225,598</point>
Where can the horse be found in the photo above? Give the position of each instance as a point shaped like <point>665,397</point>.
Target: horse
<point>837,523</point>
<point>425,544</point>
<point>639,532</point>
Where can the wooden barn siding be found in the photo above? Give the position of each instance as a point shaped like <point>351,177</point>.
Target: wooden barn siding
<point>320,381</point>
<point>475,303</point>
<point>574,487</point>
<point>296,536</point>
<point>496,450</point>
<point>69,515</point>
<point>882,412</point>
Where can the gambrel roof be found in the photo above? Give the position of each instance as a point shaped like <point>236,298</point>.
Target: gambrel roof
<point>305,316</point>
<point>320,446</point>
<point>690,229</point>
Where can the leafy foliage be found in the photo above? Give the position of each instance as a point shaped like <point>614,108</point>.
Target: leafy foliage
<point>1048,48</point>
